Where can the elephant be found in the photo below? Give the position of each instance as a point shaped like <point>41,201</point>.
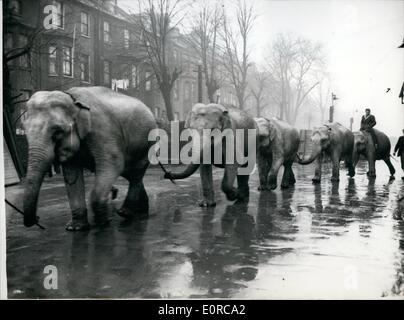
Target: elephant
<point>277,145</point>
<point>94,128</point>
<point>337,142</point>
<point>363,145</point>
<point>216,116</point>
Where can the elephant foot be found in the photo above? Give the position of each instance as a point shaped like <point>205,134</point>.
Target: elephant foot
<point>243,195</point>
<point>316,180</point>
<point>128,214</point>
<point>284,185</point>
<point>262,188</point>
<point>75,225</point>
<point>272,186</point>
<point>231,195</point>
<point>207,204</point>
<point>371,174</point>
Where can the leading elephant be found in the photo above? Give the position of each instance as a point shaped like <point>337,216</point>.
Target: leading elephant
<point>89,127</point>
<point>224,119</point>
<point>363,145</point>
<point>335,141</point>
<point>277,145</point>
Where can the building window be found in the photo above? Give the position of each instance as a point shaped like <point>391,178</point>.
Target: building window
<point>15,7</point>
<point>52,60</point>
<point>67,61</point>
<point>176,91</point>
<point>126,38</point>
<point>25,95</point>
<point>156,112</point>
<point>107,73</point>
<point>85,68</point>
<point>148,81</point>
<point>107,37</point>
<point>134,76</point>
<point>22,42</point>
<point>176,116</point>
<point>60,14</point>
<point>85,24</point>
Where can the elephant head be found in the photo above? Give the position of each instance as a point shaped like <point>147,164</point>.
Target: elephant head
<point>211,116</point>
<point>359,146</point>
<point>266,132</point>
<point>55,126</point>
<point>321,141</point>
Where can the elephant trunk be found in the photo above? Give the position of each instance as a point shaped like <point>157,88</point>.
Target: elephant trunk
<point>192,167</point>
<point>189,170</point>
<point>313,156</point>
<point>40,157</point>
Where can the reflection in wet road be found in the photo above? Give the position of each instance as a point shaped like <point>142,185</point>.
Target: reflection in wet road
<point>313,241</point>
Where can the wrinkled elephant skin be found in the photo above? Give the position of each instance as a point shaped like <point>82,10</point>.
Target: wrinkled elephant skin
<point>278,143</point>
<point>94,128</point>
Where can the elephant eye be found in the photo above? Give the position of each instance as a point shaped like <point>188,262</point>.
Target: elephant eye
<point>58,132</point>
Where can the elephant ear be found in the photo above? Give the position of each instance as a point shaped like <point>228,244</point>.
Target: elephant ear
<point>272,131</point>
<point>83,120</point>
<point>262,126</point>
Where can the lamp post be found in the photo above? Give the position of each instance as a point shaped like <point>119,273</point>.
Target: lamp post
<point>401,95</point>
<point>333,98</point>
<point>199,72</point>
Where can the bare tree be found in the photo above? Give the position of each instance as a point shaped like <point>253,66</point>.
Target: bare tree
<point>321,96</point>
<point>157,19</point>
<point>293,64</point>
<point>236,47</point>
<point>204,39</point>
<point>258,89</point>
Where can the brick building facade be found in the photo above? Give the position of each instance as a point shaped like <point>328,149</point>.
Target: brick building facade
<point>86,43</point>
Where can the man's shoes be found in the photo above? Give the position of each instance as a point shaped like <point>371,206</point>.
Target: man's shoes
<point>402,178</point>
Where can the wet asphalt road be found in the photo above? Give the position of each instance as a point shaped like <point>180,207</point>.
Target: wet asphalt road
<point>338,241</point>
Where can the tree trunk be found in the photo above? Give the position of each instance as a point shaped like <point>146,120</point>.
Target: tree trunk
<point>167,102</point>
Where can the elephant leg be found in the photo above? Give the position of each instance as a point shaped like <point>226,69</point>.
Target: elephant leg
<point>390,165</point>
<point>372,167</point>
<point>288,177</point>
<point>273,173</point>
<point>350,165</point>
<point>335,167</point>
<point>74,183</point>
<point>243,190</point>
<point>207,186</point>
<point>263,170</point>
<point>136,203</point>
<point>317,170</point>
<point>230,173</point>
<point>104,181</point>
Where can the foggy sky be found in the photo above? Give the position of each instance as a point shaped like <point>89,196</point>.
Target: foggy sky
<point>360,42</point>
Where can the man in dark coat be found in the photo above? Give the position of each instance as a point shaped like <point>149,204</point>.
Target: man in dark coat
<point>367,123</point>
<point>399,150</point>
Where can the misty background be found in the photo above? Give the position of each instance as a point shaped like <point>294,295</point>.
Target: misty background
<point>352,48</point>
